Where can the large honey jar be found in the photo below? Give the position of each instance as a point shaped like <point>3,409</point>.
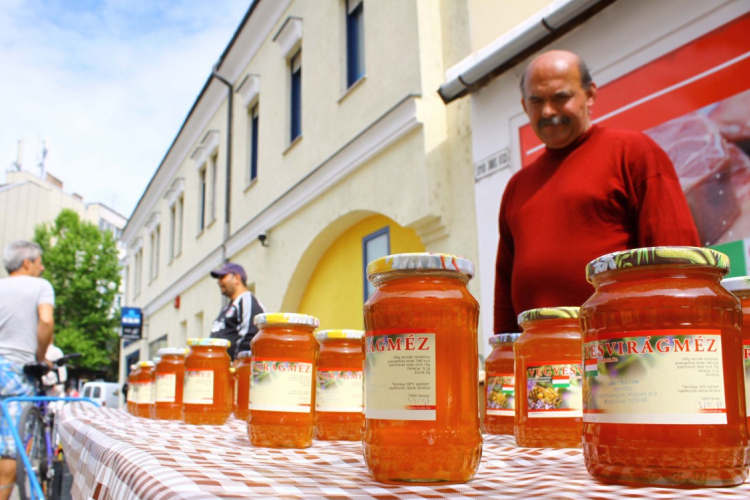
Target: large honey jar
<point>549,379</point>
<point>242,385</point>
<point>282,381</point>
<point>132,395</point>
<point>168,383</point>
<point>740,288</point>
<point>664,397</point>
<point>339,387</point>
<point>144,383</point>
<point>421,370</point>
<point>206,388</point>
<point>500,385</point>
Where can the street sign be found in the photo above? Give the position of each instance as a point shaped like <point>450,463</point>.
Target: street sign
<point>131,323</point>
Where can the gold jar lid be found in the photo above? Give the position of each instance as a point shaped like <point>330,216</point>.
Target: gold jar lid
<point>209,342</point>
<point>656,256</point>
<point>278,319</point>
<point>172,351</point>
<point>339,334</point>
<point>545,313</point>
<point>420,262</point>
<point>146,364</point>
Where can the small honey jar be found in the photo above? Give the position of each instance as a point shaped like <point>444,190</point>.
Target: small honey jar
<point>144,382</point>
<point>740,287</point>
<point>168,384</point>
<point>499,368</point>
<point>243,365</point>
<point>206,392</point>
<point>132,395</point>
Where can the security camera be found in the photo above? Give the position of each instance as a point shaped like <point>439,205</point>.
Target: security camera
<point>262,237</point>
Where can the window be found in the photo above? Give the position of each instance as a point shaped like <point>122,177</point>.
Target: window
<point>176,208</point>
<point>374,246</point>
<point>137,272</point>
<point>355,41</point>
<point>253,142</point>
<point>154,264</point>
<point>97,392</point>
<point>131,359</point>
<point>296,96</point>
<point>157,344</point>
<point>214,171</point>
<point>202,200</point>
<point>172,231</point>
<point>180,215</point>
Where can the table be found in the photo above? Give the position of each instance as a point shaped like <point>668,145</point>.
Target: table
<point>114,455</point>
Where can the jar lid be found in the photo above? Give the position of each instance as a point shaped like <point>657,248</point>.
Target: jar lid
<point>209,342</point>
<point>172,351</point>
<point>156,360</point>
<point>739,284</point>
<point>146,364</point>
<point>503,338</point>
<point>286,319</point>
<point>339,334</point>
<point>545,313</point>
<point>420,261</point>
<point>244,354</point>
<point>654,256</point>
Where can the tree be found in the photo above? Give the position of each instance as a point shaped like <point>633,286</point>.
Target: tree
<point>81,262</point>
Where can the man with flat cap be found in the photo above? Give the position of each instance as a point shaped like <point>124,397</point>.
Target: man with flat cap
<point>235,321</point>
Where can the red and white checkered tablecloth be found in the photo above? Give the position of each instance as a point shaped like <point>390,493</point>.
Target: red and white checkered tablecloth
<point>114,455</point>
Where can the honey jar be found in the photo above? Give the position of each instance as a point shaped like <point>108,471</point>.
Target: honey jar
<point>144,382</point>
<point>339,389</point>
<point>500,385</point>
<point>740,288</point>
<point>168,384</point>
<point>132,395</point>
<point>549,379</point>
<point>243,365</point>
<point>421,370</point>
<point>664,396</point>
<point>282,381</point>
<point>205,397</point>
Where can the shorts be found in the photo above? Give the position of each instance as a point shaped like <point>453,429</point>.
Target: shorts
<point>13,382</point>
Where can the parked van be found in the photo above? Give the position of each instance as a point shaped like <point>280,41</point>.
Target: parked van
<point>105,393</point>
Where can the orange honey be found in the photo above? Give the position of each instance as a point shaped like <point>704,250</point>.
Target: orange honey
<point>339,388</point>
<point>132,395</point>
<point>549,379</point>
<point>421,371</point>
<point>206,391</point>
<point>282,381</point>
<point>168,385</point>
<point>144,382</point>
<point>664,397</point>
<point>740,287</point>
<point>243,365</point>
<point>499,368</point>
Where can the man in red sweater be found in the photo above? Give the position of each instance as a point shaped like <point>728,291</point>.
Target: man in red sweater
<point>593,191</point>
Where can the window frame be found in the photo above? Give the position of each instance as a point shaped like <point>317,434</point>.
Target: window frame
<point>295,96</point>
<point>365,260</point>
<point>254,124</point>
<point>214,159</point>
<point>202,188</point>
<point>355,41</point>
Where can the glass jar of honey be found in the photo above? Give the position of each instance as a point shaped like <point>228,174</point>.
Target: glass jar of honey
<point>243,365</point>
<point>740,287</point>
<point>282,381</point>
<point>132,395</point>
<point>421,370</point>
<point>339,389</point>
<point>549,379</point>
<point>499,368</point>
<point>144,381</point>
<point>205,397</point>
<point>168,384</point>
<point>664,397</point>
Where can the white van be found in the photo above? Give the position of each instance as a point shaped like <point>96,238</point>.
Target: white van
<point>105,393</point>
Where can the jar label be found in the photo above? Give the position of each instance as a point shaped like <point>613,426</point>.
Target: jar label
<point>132,395</point>
<point>501,394</point>
<point>281,385</point>
<point>400,375</point>
<point>145,392</point>
<point>339,389</point>
<point>165,387</point>
<point>554,390</point>
<point>655,377</point>
<point>746,357</point>
<point>199,387</point>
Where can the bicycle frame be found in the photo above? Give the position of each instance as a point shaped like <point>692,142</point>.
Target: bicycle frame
<point>35,487</point>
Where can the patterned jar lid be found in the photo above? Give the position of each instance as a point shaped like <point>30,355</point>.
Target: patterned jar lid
<point>545,313</point>
<point>419,262</point>
<point>146,364</point>
<point>172,351</point>
<point>208,342</point>
<point>655,256</point>
<point>503,338</point>
<point>275,319</point>
<point>339,334</point>
<point>244,354</point>
<point>739,284</point>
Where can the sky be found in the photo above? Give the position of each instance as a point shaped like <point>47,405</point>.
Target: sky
<point>105,84</point>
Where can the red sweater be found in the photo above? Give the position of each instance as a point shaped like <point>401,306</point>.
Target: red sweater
<point>610,190</point>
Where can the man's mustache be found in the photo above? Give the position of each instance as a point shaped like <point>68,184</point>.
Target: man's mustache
<point>555,120</point>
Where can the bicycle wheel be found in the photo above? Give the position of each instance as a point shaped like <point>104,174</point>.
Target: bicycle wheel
<point>31,429</point>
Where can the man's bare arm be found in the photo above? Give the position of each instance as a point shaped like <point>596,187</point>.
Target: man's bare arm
<point>44,330</point>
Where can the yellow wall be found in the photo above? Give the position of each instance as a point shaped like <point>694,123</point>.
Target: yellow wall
<point>334,293</point>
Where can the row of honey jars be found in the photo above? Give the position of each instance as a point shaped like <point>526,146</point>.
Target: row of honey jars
<point>500,401</point>
<point>740,288</point>
<point>663,393</point>
<point>421,404</point>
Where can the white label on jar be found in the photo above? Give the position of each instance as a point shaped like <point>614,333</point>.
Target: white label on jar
<point>281,385</point>
<point>655,377</point>
<point>145,392</point>
<point>501,394</point>
<point>165,387</point>
<point>339,389</point>
<point>198,387</point>
<point>132,393</point>
<point>400,375</point>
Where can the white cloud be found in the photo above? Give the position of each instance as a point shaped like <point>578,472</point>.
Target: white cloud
<point>109,86</point>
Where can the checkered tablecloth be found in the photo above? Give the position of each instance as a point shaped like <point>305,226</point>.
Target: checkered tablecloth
<point>114,455</point>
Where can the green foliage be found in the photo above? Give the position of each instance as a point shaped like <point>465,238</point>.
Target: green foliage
<point>81,263</point>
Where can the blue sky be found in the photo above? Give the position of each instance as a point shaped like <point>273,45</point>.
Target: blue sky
<point>106,83</point>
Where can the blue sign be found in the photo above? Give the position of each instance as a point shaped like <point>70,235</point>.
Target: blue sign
<point>131,320</point>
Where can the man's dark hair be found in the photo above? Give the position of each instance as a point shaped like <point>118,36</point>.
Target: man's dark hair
<point>583,70</point>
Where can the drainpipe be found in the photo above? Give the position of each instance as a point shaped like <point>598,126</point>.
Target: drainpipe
<point>228,184</point>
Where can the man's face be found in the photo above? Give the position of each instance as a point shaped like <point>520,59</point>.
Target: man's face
<point>556,103</point>
<point>36,268</point>
<point>227,284</point>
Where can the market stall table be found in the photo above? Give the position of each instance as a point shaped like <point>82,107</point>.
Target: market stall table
<point>114,455</point>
